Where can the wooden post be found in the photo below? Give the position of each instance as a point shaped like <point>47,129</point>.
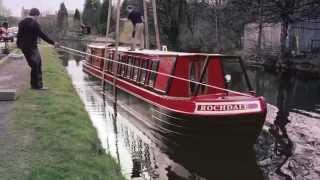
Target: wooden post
<point>154,6</point>
<point>116,57</point>
<point>107,41</point>
<point>146,24</point>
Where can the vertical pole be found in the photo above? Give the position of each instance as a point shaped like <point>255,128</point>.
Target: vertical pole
<point>260,31</point>
<point>106,47</point>
<point>154,6</point>
<point>146,23</point>
<point>217,28</point>
<point>116,57</point>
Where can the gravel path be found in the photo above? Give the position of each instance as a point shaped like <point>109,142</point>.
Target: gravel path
<point>13,75</point>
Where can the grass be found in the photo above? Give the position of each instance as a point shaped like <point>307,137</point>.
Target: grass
<point>55,136</point>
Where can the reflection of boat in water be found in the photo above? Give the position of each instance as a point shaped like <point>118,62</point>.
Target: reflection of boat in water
<point>184,97</point>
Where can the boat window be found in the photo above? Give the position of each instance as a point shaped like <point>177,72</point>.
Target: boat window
<point>93,59</point>
<point>143,74</point>
<point>234,74</point>
<point>140,63</point>
<point>119,67</point>
<point>203,89</point>
<point>122,66</point>
<point>130,62</point>
<point>126,66</point>
<point>196,68</point>
<point>153,76</point>
<point>109,68</point>
<point>89,58</point>
<point>136,70</point>
<point>193,77</point>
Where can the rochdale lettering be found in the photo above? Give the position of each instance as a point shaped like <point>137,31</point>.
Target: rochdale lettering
<point>229,107</point>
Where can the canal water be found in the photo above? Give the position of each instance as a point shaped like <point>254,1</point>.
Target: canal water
<point>288,147</point>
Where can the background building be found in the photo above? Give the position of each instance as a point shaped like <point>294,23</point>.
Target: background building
<point>303,36</point>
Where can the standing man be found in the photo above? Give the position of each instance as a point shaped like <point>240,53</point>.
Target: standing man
<point>27,41</point>
<point>137,20</point>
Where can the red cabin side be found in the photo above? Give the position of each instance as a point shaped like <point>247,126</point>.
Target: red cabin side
<point>192,68</point>
<point>166,66</point>
<point>215,76</point>
<point>180,88</point>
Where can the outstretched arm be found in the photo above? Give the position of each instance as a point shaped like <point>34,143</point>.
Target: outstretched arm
<point>43,36</point>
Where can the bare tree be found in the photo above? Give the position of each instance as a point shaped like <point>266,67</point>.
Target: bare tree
<point>171,16</point>
<point>284,12</point>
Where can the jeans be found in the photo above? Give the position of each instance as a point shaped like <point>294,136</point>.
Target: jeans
<point>34,60</point>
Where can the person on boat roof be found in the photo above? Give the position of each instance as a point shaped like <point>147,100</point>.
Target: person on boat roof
<point>137,20</point>
<point>27,40</point>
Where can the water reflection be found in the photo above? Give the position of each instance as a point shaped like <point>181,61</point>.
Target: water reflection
<point>283,144</point>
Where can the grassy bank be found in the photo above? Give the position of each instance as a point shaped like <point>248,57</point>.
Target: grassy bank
<point>58,139</point>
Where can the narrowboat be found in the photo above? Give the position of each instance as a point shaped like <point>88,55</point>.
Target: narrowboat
<point>188,97</point>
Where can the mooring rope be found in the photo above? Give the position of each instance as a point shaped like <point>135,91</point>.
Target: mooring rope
<point>73,53</point>
<point>152,71</point>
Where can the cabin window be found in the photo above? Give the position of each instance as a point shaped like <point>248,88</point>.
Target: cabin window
<point>122,66</point>
<point>140,61</point>
<point>193,77</point>
<point>203,89</point>
<point>89,58</point>
<point>119,69</point>
<point>135,69</point>
<point>143,74</point>
<point>234,75</point>
<point>109,63</point>
<point>153,76</point>
<point>132,68</point>
<point>93,58</point>
<point>129,68</point>
<point>196,69</point>
<point>126,66</point>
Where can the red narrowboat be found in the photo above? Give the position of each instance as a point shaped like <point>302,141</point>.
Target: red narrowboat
<point>189,95</point>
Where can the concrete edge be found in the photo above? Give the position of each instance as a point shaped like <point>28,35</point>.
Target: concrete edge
<point>4,59</point>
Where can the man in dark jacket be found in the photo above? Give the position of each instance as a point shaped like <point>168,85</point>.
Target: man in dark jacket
<point>27,41</point>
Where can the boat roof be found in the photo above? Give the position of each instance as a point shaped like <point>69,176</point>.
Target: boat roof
<point>155,52</point>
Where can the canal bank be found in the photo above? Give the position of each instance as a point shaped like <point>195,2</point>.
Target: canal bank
<point>49,135</point>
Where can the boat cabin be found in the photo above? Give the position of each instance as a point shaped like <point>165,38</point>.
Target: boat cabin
<point>157,70</point>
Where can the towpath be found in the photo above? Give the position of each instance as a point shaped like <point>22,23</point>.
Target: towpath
<point>13,75</point>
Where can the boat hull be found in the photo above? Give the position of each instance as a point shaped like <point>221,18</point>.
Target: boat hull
<point>214,132</point>
<point>181,130</point>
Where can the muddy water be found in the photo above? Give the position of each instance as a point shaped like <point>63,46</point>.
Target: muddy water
<point>288,147</point>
